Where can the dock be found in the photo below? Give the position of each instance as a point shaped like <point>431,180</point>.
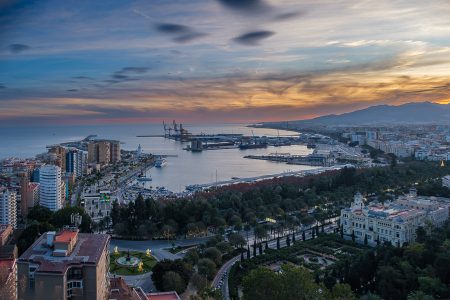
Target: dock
<point>199,187</point>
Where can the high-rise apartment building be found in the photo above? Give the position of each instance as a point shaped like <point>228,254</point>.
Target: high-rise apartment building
<point>92,153</point>
<point>51,187</point>
<point>104,152</point>
<point>75,162</point>
<point>8,207</point>
<point>61,156</point>
<point>67,265</point>
<point>115,151</point>
<point>24,182</point>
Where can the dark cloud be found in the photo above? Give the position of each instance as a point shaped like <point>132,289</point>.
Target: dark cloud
<point>172,28</point>
<point>289,15</point>
<point>2,86</point>
<point>134,70</point>
<point>246,6</point>
<point>125,74</point>
<point>182,33</point>
<point>83,77</point>
<point>18,48</point>
<point>73,90</point>
<point>186,38</point>
<point>253,38</point>
<point>119,76</point>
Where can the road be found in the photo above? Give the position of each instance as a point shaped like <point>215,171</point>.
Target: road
<point>220,281</point>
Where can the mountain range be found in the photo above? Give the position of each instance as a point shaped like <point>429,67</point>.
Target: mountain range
<point>416,112</point>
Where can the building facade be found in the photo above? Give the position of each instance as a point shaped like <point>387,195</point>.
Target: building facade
<point>103,152</point>
<point>394,222</point>
<point>115,151</point>
<point>8,266</point>
<point>67,265</point>
<point>8,207</point>
<point>51,191</point>
<point>75,162</point>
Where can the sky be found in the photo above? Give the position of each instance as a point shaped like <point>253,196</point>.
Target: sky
<point>199,61</point>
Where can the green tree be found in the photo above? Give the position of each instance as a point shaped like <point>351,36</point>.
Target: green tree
<point>40,214</point>
<point>370,296</point>
<point>214,254</point>
<point>172,281</point>
<point>115,213</point>
<point>237,240</point>
<point>419,295</point>
<point>183,269</point>
<point>62,217</point>
<point>206,267</point>
<point>262,284</point>
<point>342,292</point>
<point>260,232</point>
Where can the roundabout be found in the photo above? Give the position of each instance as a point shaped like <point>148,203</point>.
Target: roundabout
<point>131,263</point>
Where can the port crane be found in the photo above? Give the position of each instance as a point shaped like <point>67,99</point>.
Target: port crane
<point>179,133</point>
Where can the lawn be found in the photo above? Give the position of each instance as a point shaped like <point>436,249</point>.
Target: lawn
<point>148,264</point>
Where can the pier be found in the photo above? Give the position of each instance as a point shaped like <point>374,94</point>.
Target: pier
<point>199,187</point>
<point>310,160</point>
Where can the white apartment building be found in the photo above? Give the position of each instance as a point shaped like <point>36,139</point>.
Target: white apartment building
<point>51,187</point>
<point>8,207</point>
<point>394,222</point>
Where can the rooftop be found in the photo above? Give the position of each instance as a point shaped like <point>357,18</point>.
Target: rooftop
<point>87,250</point>
<point>66,236</point>
<point>119,290</point>
<point>163,296</point>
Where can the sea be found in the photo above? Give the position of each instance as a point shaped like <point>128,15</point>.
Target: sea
<point>183,167</point>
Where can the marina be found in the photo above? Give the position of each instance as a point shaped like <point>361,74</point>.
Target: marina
<point>203,167</point>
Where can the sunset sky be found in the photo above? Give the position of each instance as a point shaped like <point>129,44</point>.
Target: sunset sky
<point>77,62</point>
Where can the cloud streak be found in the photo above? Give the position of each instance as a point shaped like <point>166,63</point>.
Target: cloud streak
<point>253,38</point>
<point>18,48</point>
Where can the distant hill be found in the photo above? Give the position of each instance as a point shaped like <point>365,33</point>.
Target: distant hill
<point>418,112</point>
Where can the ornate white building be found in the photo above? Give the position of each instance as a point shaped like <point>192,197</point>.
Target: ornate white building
<point>394,222</point>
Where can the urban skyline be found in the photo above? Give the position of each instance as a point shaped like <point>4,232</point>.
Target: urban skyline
<point>217,61</point>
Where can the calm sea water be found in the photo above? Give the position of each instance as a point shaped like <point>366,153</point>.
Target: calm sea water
<point>185,169</point>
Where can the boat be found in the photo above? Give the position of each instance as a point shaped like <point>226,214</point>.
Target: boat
<point>144,179</point>
<point>160,162</point>
<point>235,178</point>
<point>252,146</point>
